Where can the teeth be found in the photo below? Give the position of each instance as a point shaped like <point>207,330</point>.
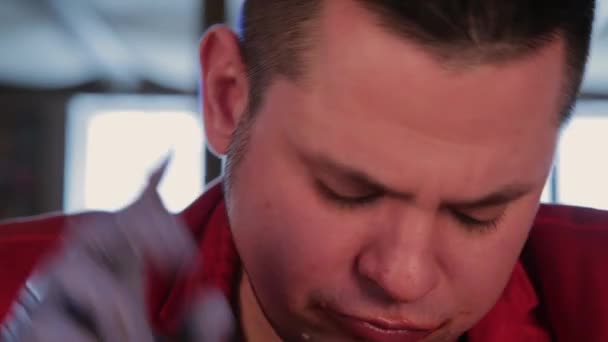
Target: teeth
<point>305,336</point>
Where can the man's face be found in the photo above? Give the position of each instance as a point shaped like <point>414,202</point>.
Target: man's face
<point>386,191</point>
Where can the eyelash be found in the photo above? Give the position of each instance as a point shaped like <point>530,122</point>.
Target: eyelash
<point>362,201</point>
<point>474,224</point>
<point>346,201</point>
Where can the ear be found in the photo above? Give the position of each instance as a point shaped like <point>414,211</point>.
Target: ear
<point>224,86</point>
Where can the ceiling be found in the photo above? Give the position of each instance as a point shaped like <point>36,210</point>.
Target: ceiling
<point>64,43</point>
<point>50,44</point>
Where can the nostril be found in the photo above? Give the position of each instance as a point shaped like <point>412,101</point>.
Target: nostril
<point>375,291</point>
<point>372,279</point>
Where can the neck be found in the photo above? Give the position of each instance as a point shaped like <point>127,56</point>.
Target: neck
<point>254,324</point>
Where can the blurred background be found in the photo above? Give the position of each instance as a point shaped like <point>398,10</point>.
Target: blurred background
<point>95,93</point>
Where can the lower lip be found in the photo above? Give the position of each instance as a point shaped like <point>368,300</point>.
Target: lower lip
<point>370,332</point>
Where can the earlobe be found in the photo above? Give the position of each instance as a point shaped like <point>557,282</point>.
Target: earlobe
<point>224,86</point>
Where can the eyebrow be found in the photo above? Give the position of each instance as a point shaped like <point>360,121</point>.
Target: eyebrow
<point>502,196</point>
<point>356,177</point>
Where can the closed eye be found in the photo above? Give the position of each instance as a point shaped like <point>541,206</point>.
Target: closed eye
<point>471,222</point>
<point>347,201</point>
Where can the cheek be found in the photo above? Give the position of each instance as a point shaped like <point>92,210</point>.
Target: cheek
<point>479,267</point>
<point>290,243</point>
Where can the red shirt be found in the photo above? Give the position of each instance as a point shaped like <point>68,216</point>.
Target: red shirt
<point>559,290</point>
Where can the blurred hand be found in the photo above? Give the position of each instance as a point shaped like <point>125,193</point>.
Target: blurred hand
<point>93,290</point>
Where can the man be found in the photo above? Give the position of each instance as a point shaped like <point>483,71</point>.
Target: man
<point>385,161</point>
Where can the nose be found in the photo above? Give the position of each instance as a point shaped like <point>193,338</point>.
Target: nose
<point>399,262</point>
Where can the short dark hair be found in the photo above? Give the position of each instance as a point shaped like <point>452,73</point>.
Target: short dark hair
<point>275,34</point>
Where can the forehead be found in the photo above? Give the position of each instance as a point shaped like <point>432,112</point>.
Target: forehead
<point>369,91</point>
<point>356,58</point>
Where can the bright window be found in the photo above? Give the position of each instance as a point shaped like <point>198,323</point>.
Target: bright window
<point>114,142</point>
<point>581,161</point>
